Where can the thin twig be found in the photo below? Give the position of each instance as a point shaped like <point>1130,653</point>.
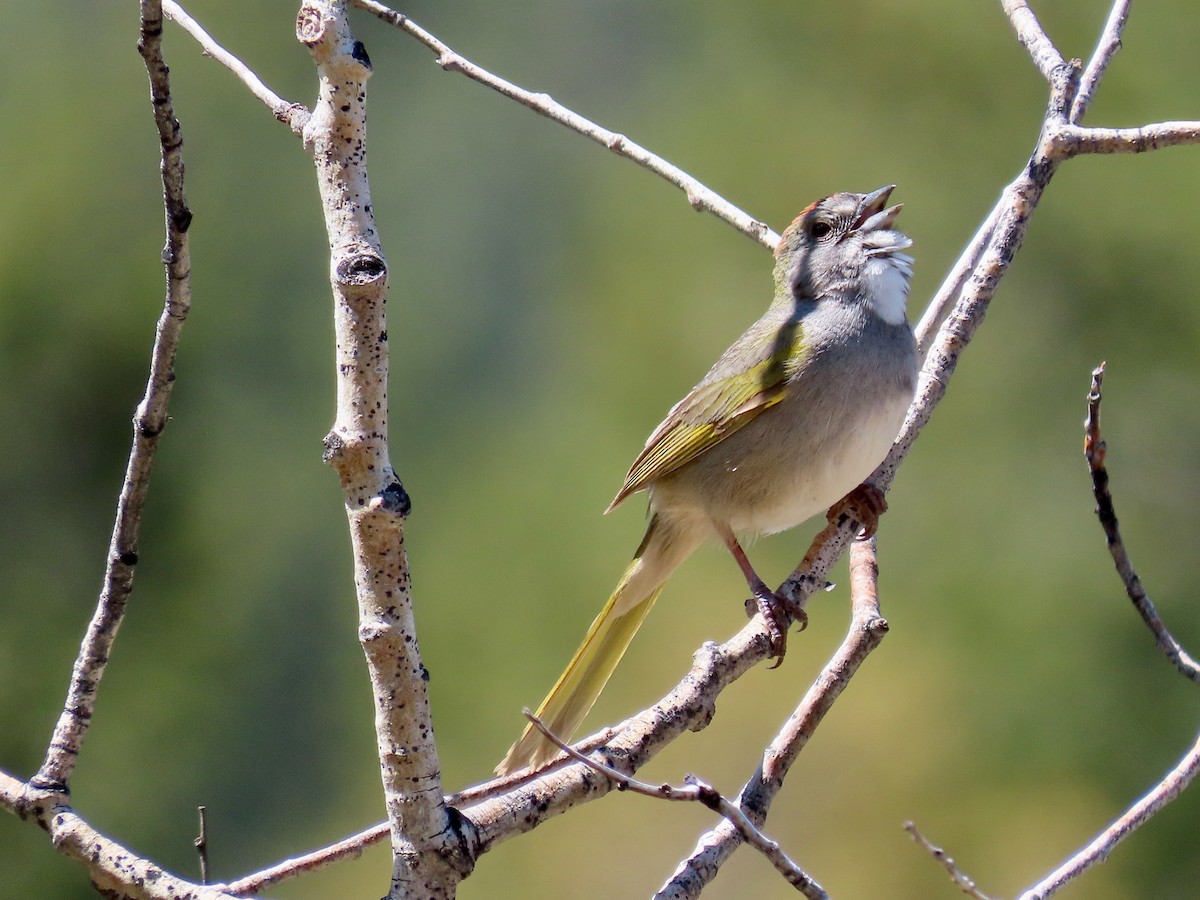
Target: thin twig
<point>294,115</point>
<point>698,195</point>
<point>148,424</point>
<point>1106,49</point>
<point>497,786</point>
<point>201,843</point>
<point>1095,450</point>
<point>957,875</point>
<point>350,848</point>
<point>867,630</point>
<point>1171,786</point>
<point>698,791</point>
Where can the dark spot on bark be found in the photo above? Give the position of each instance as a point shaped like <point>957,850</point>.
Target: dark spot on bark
<point>395,499</point>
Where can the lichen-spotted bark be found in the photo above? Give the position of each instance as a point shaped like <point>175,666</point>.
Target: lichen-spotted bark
<point>432,848</point>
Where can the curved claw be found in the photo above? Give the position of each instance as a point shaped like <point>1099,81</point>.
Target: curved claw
<point>775,615</point>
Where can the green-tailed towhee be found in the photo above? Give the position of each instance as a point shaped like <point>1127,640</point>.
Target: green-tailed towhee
<point>792,417</point>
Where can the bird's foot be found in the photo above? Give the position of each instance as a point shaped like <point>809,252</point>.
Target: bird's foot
<point>774,610</point>
<point>865,504</point>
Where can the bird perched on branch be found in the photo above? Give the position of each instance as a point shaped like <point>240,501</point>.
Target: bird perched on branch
<point>793,416</point>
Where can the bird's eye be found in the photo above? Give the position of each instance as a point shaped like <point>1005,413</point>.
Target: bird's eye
<point>820,229</point>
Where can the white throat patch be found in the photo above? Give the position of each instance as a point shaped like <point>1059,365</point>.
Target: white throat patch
<point>886,283</point>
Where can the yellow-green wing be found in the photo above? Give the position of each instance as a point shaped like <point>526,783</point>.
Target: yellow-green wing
<point>713,410</point>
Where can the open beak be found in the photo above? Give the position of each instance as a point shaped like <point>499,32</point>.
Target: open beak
<point>871,216</point>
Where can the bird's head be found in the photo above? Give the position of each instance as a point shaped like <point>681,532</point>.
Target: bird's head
<point>845,247</point>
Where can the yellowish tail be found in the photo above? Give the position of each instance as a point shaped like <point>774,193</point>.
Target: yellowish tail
<point>578,688</point>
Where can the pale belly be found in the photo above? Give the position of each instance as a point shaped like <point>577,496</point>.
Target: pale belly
<point>779,470</point>
<point>812,486</point>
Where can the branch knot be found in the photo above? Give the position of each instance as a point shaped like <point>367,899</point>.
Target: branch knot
<point>310,25</point>
<point>360,268</point>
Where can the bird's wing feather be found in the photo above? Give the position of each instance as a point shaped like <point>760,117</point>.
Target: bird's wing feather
<point>713,410</point>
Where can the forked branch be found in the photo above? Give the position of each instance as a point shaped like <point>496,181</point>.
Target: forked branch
<point>695,790</point>
<point>867,630</point>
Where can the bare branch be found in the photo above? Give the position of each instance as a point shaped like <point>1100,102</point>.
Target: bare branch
<point>1033,38</point>
<point>1074,140</point>
<point>148,423</point>
<point>294,115</point>
<point>431,850</point>
<point>867,630</point>
<point>957,875</point>
<point>698,195</point>
<point>1106,49</point>
<point>1172,785</point>
<point>1095,449</point>
<point>697,791</point>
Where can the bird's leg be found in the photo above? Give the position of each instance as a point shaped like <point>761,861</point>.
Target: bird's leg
<point>865,504</point>
<point>770,605</point>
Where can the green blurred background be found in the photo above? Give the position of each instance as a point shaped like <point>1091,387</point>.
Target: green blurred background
<point>549,301</point>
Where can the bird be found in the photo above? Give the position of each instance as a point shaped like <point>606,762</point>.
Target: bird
<point>793,416</point>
